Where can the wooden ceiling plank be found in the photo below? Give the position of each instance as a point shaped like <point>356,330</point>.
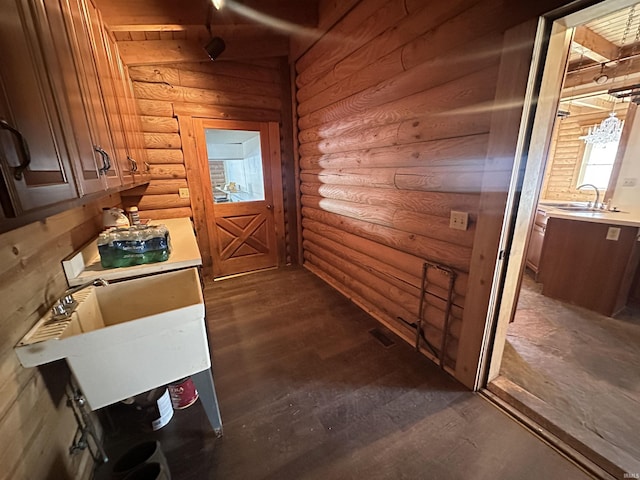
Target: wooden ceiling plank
<point>154,27</point>
<point>595,46</point>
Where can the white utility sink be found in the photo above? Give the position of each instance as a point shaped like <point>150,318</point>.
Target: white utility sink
<point>126,338</point>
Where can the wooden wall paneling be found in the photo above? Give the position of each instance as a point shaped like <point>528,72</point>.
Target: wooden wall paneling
<point>226,112</point>
<point>362,24</point>
<point>162,140</point>
<point>417,154</point>
<point>165,213</point>
<point>156,91</point>
<point>387,272</point>
<point>36,446</point>
<point>157,187</point>
<point>412,222</point>
<point>199,198</point>
<point>161,75</point>
<point>232,69</point>
<point>412,25</point>
<point>567,151</point>
<point>397,259</point>
<point>474,88</point>
<point>435,250</point>
<point>159,124</point>
<point>154,108</point>
<point>277,191</point>
<point>289,173</point>
<point>407,302</point>
<point>428,203</point>
<point>159,155</point>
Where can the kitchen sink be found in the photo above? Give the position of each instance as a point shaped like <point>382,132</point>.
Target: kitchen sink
<point>575,208</point>
<point>126,338</point>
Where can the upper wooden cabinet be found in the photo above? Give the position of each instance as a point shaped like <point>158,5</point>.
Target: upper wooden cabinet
<point>68,121</point>
<point>35,149</point>
<point>103,54</point>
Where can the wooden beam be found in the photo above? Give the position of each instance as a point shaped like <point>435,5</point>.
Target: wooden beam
<point>160,52</point>
<point>170,12</point>
<point>580,83</point>
<point>595,46</point>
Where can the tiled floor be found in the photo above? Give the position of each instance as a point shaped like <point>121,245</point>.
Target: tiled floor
<point>581,366</point>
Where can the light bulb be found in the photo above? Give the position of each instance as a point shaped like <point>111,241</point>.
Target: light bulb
<point>218,4</point>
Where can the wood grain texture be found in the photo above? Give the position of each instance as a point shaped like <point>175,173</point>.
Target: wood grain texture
<point>35,445</point>
<point>394,134</point>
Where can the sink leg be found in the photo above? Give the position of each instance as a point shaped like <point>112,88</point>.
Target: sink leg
<point>204,384</point>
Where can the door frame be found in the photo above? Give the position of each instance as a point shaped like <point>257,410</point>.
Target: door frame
<point>199,182</point>
<point>535,132</point>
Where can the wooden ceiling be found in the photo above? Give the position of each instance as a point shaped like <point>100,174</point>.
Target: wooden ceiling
<point>153,32</point>
<point>609,45</point>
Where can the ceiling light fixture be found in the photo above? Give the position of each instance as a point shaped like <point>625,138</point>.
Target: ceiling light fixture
<point>218,4</point>
<point>215,46</point>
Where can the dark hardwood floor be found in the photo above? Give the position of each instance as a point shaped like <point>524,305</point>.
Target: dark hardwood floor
<point>307,392</point>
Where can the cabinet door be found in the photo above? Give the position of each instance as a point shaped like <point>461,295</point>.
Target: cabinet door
<point>534,250</point>
<point>102,55</point>
<point>134,164</point>
<point>88,163</point>
<point>33,149</point>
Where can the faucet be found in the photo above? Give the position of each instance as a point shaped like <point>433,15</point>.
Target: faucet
<point>595,205</point>
<point>66,304</point>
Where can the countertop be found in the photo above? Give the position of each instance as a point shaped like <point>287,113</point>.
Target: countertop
<point>84,265</point>
<point>629,218</point>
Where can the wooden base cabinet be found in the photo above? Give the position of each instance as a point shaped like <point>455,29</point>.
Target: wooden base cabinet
<point>536,241</point>
<point>580,266</point>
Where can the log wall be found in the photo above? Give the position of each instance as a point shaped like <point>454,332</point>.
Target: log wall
<point>221,90</point>
<point>395,108</point>
<point>567,152</point>
<point>36,426</point>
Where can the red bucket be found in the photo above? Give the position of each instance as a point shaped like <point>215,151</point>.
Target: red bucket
<point>183,393</point>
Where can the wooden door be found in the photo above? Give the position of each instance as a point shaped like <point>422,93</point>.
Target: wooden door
<point>240,166</point>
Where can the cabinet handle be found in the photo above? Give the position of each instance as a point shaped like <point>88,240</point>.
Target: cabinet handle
<point>24,147</point>
<point>134,164</point>
<point>106,161</point>
<point>147,167</point>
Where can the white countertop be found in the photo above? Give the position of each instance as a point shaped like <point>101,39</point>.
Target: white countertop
<point>85,265</point>
<point>627,218</point>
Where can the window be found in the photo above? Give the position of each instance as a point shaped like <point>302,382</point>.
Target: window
<point>597,164</point>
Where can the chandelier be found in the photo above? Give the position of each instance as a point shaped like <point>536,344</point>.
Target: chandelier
<point>607,132</point>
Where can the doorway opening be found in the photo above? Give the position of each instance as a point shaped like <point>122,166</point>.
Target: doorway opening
<point>565,349</point>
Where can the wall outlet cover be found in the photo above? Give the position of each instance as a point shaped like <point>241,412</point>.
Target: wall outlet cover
<point>459,220</point>
<point>629,182</point>
<point>183,192</point>
<point>613,234</point>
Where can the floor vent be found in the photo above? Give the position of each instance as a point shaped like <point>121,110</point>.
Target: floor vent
<point>382,338</point>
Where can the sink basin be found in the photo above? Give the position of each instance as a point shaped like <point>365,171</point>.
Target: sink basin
<point>575,208</point>
<point>126,338</point>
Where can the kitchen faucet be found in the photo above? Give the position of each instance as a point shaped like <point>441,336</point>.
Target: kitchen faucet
<point>66,304</point>
<point>595,205</point>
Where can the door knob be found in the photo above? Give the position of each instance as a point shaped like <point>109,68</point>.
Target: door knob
<point>269,207</point>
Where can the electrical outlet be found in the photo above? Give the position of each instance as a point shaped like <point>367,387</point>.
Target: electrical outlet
<point>183,192</point>
<point>613,234</point>
<point>459,220</point>
<point>629,182</point>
